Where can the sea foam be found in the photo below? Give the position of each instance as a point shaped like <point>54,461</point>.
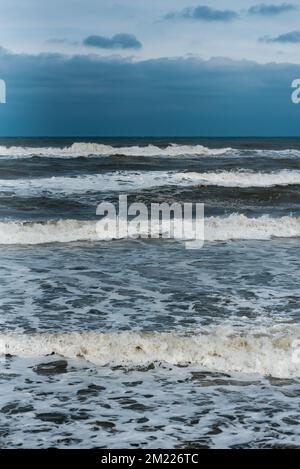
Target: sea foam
<point>233,227</point>
<point>267,352</point>
<point>97,149</point>
<point>133,180</point>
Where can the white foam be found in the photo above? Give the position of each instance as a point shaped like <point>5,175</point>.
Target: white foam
<point>96,149</point>
<point>244,178</point>
<point>272,352</point>
<point>85,149</point>
<point>112,181</point>
<point>233,227</point>
<point>132,180</point>
<point>61,231</point>
<point>238,226</point>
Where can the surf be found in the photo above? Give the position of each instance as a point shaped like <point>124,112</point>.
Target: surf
<point>133,180</point>
<point>232,227</point>
<point>273,351</point>
<point>81,149</point>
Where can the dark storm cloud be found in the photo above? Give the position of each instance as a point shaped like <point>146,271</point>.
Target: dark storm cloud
<point>292,37</point>
<point>203,13</point>
<point>119,41</point>
<point>271,9</point>
<point>54,94</point>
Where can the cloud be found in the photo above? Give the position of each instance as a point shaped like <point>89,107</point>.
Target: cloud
<point>203,13</point>
<point>119,41</point>
<point>264,9</point>
<point>292,37</point>
<point>60,95</point>
<point>59,41</point>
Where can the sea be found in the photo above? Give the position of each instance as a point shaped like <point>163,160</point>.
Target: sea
<point>140,342</point>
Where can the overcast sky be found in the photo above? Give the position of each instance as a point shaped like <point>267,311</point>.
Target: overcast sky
<point>61,26</point>
<point>148,66</point>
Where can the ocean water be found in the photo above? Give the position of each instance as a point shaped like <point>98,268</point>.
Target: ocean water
<point>144,343</point>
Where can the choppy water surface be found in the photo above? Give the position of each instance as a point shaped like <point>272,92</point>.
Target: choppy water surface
<point>143,343</point>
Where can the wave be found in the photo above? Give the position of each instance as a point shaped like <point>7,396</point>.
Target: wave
<point>273,351</point>
<point>233,227</point>
<point>111,181</point>
<point>131,180</point>
<point>82,149</point>
<point>238,226</point>
<point>244,178</point>
<point>96,149</point>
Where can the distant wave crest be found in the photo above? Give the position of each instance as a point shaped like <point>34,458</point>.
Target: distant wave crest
<point>90,149</point>
<point>78,149</point>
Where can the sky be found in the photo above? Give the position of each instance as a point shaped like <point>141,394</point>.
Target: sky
<point>149,67</point>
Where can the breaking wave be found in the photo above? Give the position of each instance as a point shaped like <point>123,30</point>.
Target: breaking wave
<point>131,180</point>
<point>82,149</point>
<point>233,227</point>
<point>244,178</point>
<point>273,352</point>
<point>96,149</point>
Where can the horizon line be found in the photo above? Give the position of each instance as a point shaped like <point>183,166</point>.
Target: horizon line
<point>146,136</point>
